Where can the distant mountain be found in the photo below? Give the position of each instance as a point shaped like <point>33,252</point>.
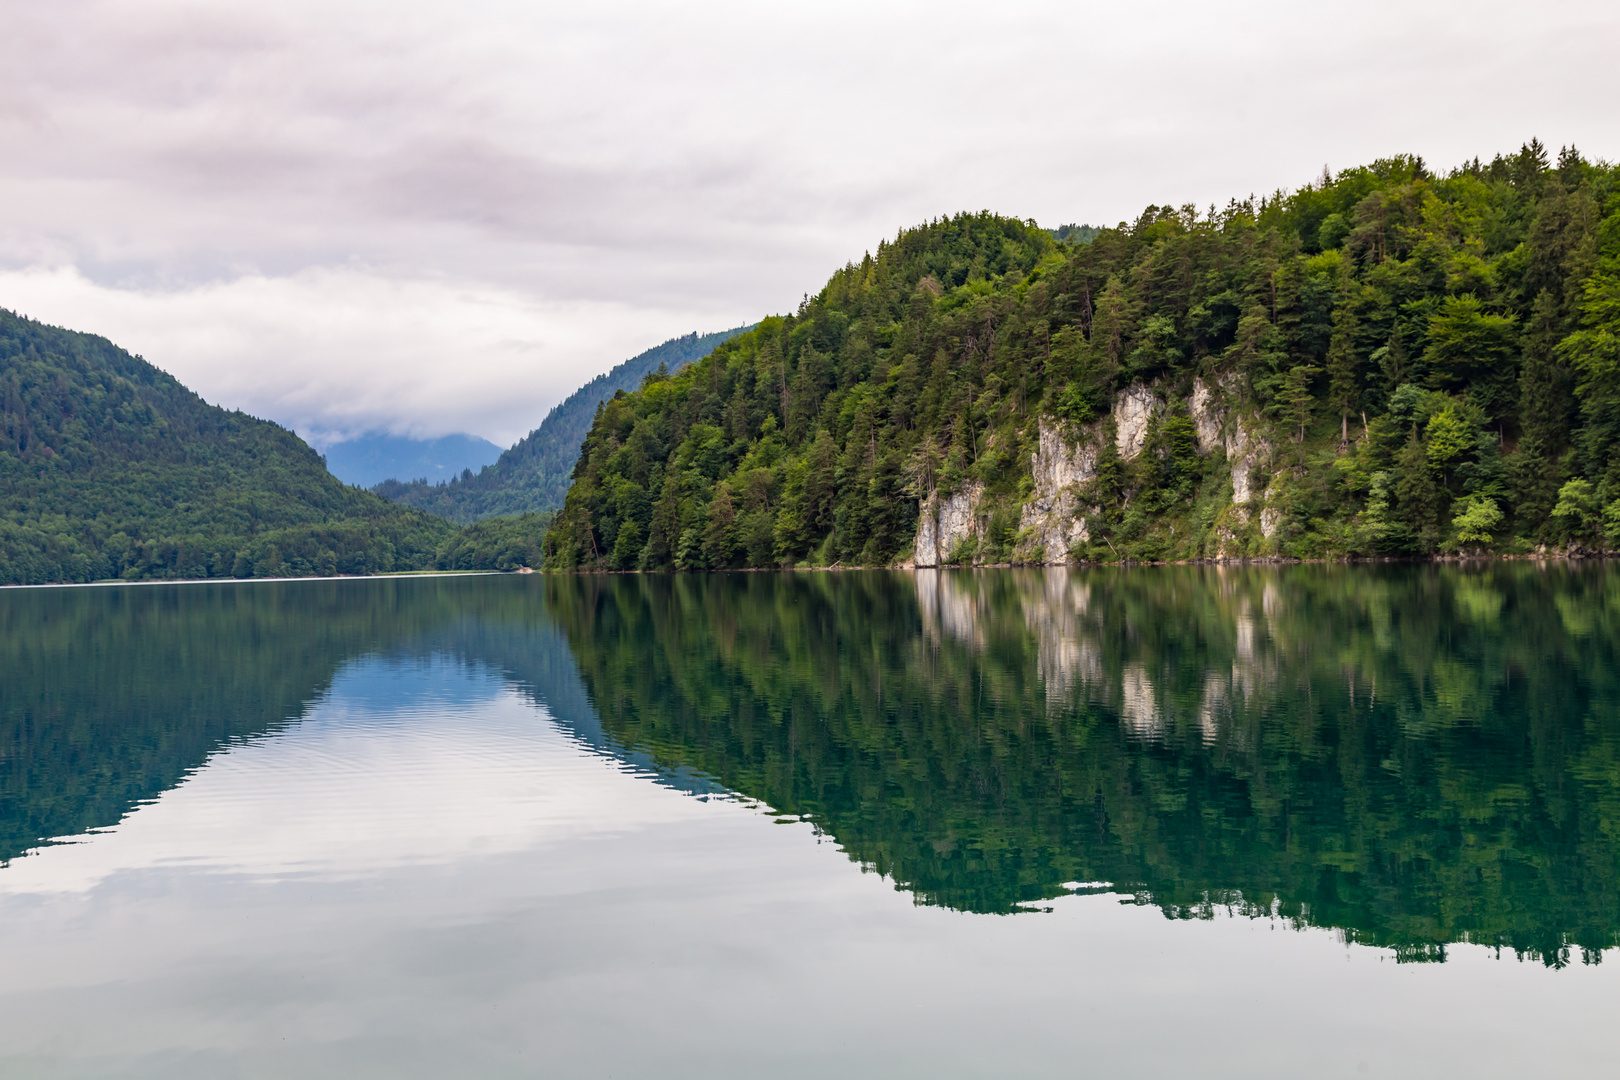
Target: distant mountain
<point>374,457</point>
<point>534,474</point>
<point>111,468</point>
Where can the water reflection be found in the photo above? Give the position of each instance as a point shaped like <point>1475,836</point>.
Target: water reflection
<point>113,696</point>
<point>1414,755</point>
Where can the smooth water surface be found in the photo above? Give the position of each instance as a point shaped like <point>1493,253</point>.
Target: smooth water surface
<point>1323,821</point>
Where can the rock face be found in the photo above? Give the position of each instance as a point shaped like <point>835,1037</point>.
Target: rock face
<point>1052,521</point>
<point>1134,410</point>
<point>944,524</point>
<point>1053,516</point>
<point>1219,425</point>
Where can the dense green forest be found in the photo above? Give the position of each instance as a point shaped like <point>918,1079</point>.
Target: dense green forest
<point>1415,754</point>
<point>1389,361</point>
<point>112,469</point>
<point>533,475</point>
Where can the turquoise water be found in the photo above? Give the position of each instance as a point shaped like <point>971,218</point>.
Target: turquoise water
<point>1240,822</point>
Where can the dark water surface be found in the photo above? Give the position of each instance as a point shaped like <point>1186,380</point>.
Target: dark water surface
<point>1325,821</point>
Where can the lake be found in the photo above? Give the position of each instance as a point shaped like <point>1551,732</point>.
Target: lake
<point>1248,822</point>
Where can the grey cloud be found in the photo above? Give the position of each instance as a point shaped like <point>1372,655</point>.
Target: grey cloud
<point>677,166</point>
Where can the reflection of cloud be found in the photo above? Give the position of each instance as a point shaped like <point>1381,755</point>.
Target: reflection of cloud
<point>322,351</point>
<point>402,764</point>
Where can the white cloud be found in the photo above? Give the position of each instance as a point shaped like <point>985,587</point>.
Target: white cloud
<point>335,352</point>
<point>605,176</point>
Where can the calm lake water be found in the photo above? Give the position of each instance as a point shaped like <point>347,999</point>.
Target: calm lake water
<point>1282,822</point>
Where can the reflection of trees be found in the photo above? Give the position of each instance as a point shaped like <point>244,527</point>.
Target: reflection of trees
<point>112,695</point>
<point>1417,755</point>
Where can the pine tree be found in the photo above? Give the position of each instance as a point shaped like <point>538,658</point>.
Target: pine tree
<point>1344,378</point>
<point>1417,494</point>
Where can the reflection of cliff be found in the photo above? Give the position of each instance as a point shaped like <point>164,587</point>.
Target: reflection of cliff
<point>1069,643</point>
<point>1417,755</point>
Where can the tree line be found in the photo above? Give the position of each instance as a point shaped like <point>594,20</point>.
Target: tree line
<point>533,475</point>
<point>1432,359</point>
<point>111,469</point>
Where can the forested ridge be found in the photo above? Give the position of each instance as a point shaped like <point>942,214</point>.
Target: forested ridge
<point>111,468</point>
<point>532,476</point>
<point>1422,362</point>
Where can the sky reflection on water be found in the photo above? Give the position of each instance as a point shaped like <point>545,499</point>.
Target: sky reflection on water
<point>440,867</point>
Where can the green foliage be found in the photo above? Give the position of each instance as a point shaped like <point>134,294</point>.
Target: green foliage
<point>806,438</point>
<point>503,543</point>
<point>111,469</point>
<point>1474,519</point>
<point>1076,234</point>
<point>1578,510</point>
<point>534,474</point>
<point>1466,324</point>
<point>1468,344</point>
<point>1415,755</point>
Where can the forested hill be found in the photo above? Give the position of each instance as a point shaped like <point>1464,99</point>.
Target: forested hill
<point>111,468</point>
<point>534,474</point>
<point>1387,361</point>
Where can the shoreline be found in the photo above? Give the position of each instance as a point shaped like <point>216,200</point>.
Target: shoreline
<point>1258,560</point>
<point>256,580</point>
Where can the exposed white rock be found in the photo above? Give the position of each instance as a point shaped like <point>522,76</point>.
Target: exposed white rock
<point>945,523</point>
<point>1133,411</point>
<point>1058,465</point>
<point>1208,417</point>
<point>1053,520</point>
<point>1219,425</point>
<point>1053,515</point>
<point>1271,513</point>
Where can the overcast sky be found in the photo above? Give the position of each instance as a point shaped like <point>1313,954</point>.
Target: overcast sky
<point>435,217</point>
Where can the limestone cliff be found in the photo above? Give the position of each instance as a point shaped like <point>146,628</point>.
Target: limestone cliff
<point>1052,521</point>
<point>946,525</point>
<point>1053,524</point>
<point>1219,424</point>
